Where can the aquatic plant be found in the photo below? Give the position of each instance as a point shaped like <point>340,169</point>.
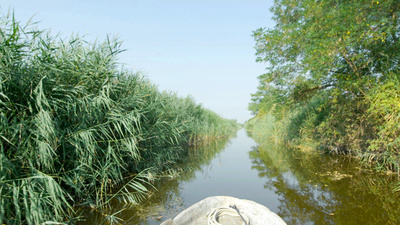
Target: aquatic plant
<point>77,129</point>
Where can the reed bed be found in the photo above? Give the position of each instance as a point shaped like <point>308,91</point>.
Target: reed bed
<point>77,130</point>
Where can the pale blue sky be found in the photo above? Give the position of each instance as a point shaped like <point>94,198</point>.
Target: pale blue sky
<point>201,48</point>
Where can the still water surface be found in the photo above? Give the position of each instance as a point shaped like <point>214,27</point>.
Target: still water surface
<point>301,187</point>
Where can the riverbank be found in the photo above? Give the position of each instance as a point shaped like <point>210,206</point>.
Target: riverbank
<point>267,128</point>
<point>329,87</point>
<point>166,197</point>
<point>78,130</point>
<point>320,188</point>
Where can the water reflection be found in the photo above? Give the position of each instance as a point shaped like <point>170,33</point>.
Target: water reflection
<point>322,189</point>
<point>165,201</point>
<point>301,187</point>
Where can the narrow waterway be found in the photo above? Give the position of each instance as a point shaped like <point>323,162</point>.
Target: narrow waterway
<point>230,173</point>
<point>301,187</point>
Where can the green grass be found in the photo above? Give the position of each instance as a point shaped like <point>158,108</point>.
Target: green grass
<point>76,130</point>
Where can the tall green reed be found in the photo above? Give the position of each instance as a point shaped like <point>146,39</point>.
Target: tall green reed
<point>76,129</point>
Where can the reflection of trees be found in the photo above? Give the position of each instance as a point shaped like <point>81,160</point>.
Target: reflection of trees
<point>165,201</point>
<point>322,189</point>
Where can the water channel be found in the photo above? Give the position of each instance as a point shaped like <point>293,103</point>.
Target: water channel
<point>301,187</point>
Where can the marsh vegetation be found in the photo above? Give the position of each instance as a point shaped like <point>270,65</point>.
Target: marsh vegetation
<point>77,129</point>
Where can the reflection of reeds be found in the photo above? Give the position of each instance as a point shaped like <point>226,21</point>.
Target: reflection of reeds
<point>164,200</point>
<point>73,126</point>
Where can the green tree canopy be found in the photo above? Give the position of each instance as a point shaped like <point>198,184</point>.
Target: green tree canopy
<point>343,46</point>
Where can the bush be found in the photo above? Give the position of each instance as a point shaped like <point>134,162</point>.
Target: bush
<point>384,110</point>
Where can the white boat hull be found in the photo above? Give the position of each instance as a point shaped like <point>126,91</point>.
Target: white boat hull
<point>199,213</point>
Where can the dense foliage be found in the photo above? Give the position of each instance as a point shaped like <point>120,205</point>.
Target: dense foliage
<point>76,129</point>
<point>333,75</point>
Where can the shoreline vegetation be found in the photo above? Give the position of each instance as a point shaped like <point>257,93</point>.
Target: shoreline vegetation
<point>77,130</point>
<point>165,197</point>
<point>320,188</point>
<point>328,86</point>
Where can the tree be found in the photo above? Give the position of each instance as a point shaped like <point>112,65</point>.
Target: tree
<point>335,65</point>
<point>341,46</point>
